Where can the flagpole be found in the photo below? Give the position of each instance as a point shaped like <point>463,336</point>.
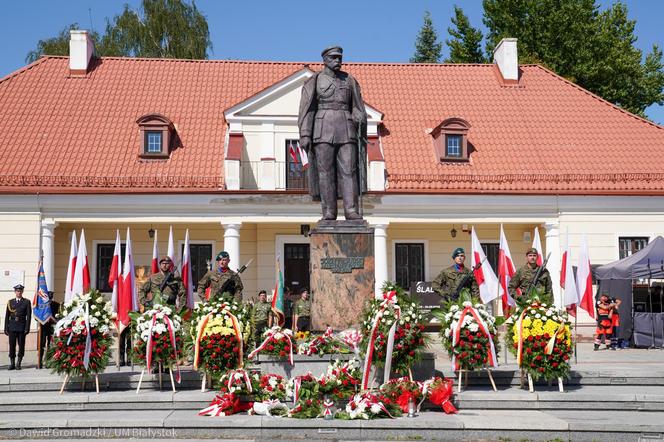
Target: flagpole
<point>576,332</point>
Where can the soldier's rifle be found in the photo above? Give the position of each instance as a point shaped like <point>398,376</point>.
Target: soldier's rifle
<point>536,278</point>
<point>230,283</point>
<point>467,278</point>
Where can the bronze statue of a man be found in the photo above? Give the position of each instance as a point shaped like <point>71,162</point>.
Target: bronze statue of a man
<point>331,115</point>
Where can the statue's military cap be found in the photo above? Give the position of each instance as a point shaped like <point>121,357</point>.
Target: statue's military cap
<point>332,50</point>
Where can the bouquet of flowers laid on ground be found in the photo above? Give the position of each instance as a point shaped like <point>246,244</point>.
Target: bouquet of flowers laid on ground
<point>469,334</point>
<point>306,395</point>
<point>235,386</point>
<point>324,344</point>
<point>352,338</point>
<point>221,332</point>
<point>278,342</point>
<point>342,379</point>
<point>401,391</point>
<point>157,337</point>
<point>270,386</point>
<point>369,406</point>
<point>439,392</point>
<point>392,319</point>
<point>540,337</point>
<point>82,336</point>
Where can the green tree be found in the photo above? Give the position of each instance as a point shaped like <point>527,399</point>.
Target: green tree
<point>427,47</point>
<point>466,44</point>
<point>592,48</point>
<point>160,29</point>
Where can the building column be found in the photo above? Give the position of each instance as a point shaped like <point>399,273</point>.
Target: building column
<point>232,243</point>
<point>553,247</point>
<point>48,250</point>
<point>380,255</point>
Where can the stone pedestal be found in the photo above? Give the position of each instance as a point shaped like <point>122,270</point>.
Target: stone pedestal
<point>342,272</point>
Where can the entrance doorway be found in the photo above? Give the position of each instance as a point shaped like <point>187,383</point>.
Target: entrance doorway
<point>296,275</point>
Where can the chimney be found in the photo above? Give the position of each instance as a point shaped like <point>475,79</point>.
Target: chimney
<point>81,50</point>
<point>505,56</point>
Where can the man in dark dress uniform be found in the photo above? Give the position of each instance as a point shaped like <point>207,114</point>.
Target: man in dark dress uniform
<point>46,335</point>
<point>17,325</point>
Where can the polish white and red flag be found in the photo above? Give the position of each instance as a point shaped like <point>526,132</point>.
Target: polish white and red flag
<point>567,282</point>
<point>81,281</point>
<point>154,268</point>
<point>584,280</point>
<point>303,156</point>
<point>71,268</point>
<point>187,278</point>
<point>506,271</point>
<point>170,252</point>
<point>127,301</point>
<point>537,245</point>
<point>484,275</point>
<point>115,274</point>
<point>292,152</point>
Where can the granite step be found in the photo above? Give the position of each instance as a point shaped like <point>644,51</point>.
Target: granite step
<point>469,425</point>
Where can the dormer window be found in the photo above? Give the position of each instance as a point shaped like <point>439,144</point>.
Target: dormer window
<point>156,134</point>
<point>450,140</point>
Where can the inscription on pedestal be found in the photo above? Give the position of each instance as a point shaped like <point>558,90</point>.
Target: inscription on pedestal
<point>342,274</point>
<point>342,265</point>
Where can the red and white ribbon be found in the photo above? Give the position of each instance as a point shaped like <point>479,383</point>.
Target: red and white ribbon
<point>519,333</point>
<point>268,339</point>
<point>319,340</point>
<point>245,378</point>
<point>493,359</point>
<point>171,333</point>
<point>389,299</point>
<point>148,346</point>
<point>327,405</point>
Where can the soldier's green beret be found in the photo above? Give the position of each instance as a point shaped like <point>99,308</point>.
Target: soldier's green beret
<point>332,50</point>
<point>458,251</point>
<point>532,250</point>
<point>222,254</point>
<point>18,287</point>
<point>165,259</point>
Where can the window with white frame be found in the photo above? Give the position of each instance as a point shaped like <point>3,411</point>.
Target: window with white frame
<point>453,146</point>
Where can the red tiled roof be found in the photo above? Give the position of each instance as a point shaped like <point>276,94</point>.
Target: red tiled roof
<point>545,135</point>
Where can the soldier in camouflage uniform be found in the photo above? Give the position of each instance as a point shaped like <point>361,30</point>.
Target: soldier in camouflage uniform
<point>261,314</point>
<point>216,281</point>
<point>170,287</point>
<point>448,280</point>
<point>302,312</point>
<point>523,277</point>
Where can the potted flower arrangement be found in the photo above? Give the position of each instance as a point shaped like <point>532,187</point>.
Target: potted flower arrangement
<point>157,339</point>
<point>401,391</point>
<point>469,334</point>
<point>342,379</point>
<point>220,332</point>
<point>540,337</point>
<point>393,317</point>
<point>369,406</point>
<point>278,342</point>
<point>324,344</point>
<point>82,337</point>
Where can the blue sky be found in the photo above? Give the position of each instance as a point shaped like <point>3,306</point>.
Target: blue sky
<point>296,30</point>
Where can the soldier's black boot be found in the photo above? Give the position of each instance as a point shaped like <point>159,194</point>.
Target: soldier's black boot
<point>122,360</point>
<point>18,363</point>
<point>12,364</point>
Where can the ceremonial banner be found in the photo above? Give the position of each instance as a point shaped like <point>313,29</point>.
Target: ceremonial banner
<point>41,303</point>
<point>71,268</point>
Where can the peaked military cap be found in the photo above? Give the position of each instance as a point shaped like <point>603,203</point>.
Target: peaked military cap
<point>18,287</point>
<point>458,251</point>
<point>222,254</point>
<point>532,250</point>
<point>332,50</point>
